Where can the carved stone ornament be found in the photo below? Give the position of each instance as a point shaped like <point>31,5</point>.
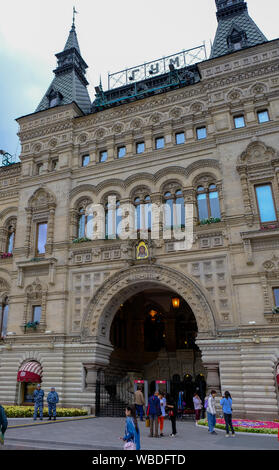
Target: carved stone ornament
<point>234,95</point>
<point>82,138</point>
<point>34,290</point>
<point>119,287</point>
<point>155,118</point>
<point>175,113</point>
<point>41,199</point>
<point>4,286</point>
<point>256,152</point>
<point>271,265</point>
<point>136,123</point>
<point>196,107</point>
<point>52,143</point>
<point>37,147</point>
<point>100,133</point>
<point>258,89</point>
<point>118,128</point>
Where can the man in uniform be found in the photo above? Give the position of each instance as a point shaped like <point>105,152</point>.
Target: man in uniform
<point>52,400</point>
<point>38,398</point>
<point>3,424</point>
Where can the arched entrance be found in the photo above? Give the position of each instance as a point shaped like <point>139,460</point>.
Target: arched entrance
<point>131,311</point>
<point>153,334</point>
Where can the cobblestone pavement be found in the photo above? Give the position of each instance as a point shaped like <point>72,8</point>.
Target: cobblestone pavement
<point>104,434</point>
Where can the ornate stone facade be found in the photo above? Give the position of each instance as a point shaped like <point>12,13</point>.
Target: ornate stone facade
<point>228,276</point>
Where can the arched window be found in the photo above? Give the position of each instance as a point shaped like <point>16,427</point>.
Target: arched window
<point>208,202</point>
<point>4,311</point>
<point>174,209</point>
<point>11,238</point>
<point>85,221</point>
<point>113,219</point>
<point>143,213</point>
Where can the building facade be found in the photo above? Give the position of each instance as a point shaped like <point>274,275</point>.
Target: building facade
<point>204,135</point>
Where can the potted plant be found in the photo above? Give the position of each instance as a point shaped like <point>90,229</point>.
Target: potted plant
<point>31,324</point>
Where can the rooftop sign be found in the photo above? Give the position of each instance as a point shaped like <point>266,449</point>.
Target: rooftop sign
<point>156,67</point>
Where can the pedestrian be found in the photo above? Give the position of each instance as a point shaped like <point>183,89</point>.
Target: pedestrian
<point>198,406</point>
<point>154,411</point>
<point>52,400</point>
<point>172,411</point>
<point>139,402</point>
<point>3,424</point>
<point>226,403</point>
<point>132,433</point>
<point>161,418</point>
<point>211,411</point>
<point>38,398</point>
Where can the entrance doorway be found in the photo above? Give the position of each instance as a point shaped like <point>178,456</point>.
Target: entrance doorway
<point>153,334</point>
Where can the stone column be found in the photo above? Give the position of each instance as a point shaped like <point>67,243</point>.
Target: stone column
<point>213,378</point>
<point>148,139</point>
<point>110,149</point>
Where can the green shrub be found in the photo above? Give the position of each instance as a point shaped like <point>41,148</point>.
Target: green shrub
<point>28,411</point>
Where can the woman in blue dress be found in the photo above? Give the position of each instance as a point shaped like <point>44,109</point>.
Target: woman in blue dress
<point>132,434</point>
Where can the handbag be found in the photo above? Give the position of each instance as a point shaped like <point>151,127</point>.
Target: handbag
<point>129,446</point>
<point>147,422</point>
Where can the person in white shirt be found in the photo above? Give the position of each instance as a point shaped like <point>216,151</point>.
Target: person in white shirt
<point>211,411</point>
<point>161,418</point>
<point>198,406</point>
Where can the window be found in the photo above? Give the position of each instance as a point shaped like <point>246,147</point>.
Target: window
<point>266,203</point>
<point>112,220</point>
<point>239,122</point>
<point>143,213</point>
<point>121,151</point>
<point>39,168</point>
<point>201,133</point>
<point>208,202</point>
<point>159,143</point>
<point>10,239</point>
<point>103,156</point>
<point>174,210</point>
<point>85,160</point>
<point>41,238</point>
<point>85,224</point>
<point>180,138</point>
<point>4,311</point>
<point>54,164</point>
<point>140,147</point>
<point>276,296</point>
<point>36,313</point>
<point>263,116</point>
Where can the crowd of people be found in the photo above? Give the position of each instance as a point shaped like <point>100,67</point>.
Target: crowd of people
<point>161,406</point>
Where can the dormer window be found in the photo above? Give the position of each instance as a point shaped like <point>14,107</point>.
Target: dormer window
<point>54,98</point>
<point>237,39</point>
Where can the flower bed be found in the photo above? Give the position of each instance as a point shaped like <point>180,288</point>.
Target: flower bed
<point>28,411</point>
<point>245,425</point>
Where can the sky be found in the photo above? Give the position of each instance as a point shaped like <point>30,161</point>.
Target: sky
<point>112,35</point>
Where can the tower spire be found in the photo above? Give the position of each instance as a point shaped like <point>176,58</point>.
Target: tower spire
<point>69,84</point>
<point>74,13</point>
<point>236,29</point>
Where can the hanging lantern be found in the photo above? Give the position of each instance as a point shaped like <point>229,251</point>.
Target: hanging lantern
<point>175,302</point>
<point>153,314</point>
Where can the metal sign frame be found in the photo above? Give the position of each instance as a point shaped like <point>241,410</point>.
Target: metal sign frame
<point>147,70</point>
